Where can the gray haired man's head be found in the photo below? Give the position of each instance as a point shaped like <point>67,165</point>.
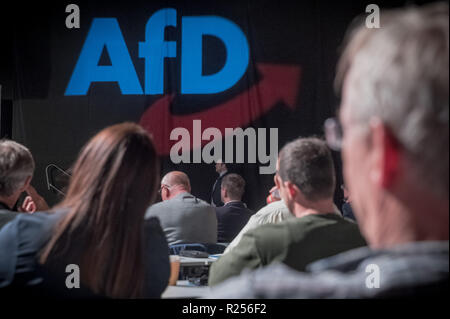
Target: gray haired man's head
<point>399,74</point>
<point>16,166</point>
<point>307,163</point>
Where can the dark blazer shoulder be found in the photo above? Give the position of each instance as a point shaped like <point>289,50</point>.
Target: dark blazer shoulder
<point>6,216</point>
<point>30,227</point>
<point>20,240</point>
<point>221,209</point>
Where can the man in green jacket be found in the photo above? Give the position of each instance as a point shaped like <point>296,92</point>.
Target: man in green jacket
<point>306,179</point>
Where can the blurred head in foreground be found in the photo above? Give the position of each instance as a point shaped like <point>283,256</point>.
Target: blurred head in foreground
<point>395,125</point>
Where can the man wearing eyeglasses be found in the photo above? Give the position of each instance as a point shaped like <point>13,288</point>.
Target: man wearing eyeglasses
<point>183,217</point>
<point>394,140</point>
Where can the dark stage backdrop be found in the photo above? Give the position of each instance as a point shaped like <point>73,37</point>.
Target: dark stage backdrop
<point>286,80</point>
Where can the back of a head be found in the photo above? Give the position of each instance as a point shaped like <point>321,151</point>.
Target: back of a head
<point>114,180</point>
<point>399,74</point>
<point>307,163</point>
<point>235,186</point>
<point>177,179</point>
<point>16,165</point>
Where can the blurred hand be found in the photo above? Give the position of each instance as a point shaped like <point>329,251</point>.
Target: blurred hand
<point>38,200</point>
<point>273,189</point>
<point>274,195</point>
<point>28,205</point>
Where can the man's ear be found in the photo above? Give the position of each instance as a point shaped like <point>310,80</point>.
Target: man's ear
<point>223,191</point>
<point>277,181</point>
<point>26,184</point>
<point>292,190</point>
<point>387,155</point>
<point>167,194</point>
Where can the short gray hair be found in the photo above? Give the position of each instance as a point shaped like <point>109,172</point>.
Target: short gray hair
<point>307,163</point>
<point>399,74</point>
<point>16,165</point>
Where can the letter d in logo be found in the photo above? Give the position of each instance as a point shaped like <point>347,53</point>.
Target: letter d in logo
<point>192,80</point>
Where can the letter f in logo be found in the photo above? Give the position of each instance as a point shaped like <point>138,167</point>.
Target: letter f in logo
<point>155,49</point>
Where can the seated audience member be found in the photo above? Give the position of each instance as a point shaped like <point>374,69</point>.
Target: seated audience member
<point>306,180</point>
<point>99,227</point>
<point>395,124</point>
<point>184,218</point>
<point>273,213</point>
<point>347,210</point>
<point>234,214</point>
<point>16,172</point>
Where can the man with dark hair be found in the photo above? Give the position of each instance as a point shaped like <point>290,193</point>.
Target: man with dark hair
<point>394,136</point>
<point>234,214</point>
<point>306,179</point>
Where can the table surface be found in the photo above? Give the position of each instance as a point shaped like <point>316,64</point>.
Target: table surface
<point>188,261</point>
<point>184,289</point>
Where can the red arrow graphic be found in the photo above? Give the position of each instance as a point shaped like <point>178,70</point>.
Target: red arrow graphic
<point>278,83</point>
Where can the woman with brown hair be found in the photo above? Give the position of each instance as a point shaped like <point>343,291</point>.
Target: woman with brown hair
<point>99,226</point>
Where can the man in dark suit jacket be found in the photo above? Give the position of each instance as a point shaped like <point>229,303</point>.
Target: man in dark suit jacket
<point>234,215</point>
<point>222,170</point>
<point>5,214</point>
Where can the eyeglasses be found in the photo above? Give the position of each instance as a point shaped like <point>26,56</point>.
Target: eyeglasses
<point>333,134</point>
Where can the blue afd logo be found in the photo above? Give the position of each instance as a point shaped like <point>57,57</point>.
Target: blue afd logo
<point>105,32</point>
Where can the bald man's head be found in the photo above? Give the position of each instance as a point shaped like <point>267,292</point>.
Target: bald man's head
<point>176,182</point>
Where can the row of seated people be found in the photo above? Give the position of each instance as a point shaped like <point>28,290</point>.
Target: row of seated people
<point>318,230</point>
<point>188,219</point>
<point>88,229</point>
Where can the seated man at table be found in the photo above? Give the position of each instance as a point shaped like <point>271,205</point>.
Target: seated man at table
<point>306,179</point>
<point>234,214</point>
<point>184,218</point>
